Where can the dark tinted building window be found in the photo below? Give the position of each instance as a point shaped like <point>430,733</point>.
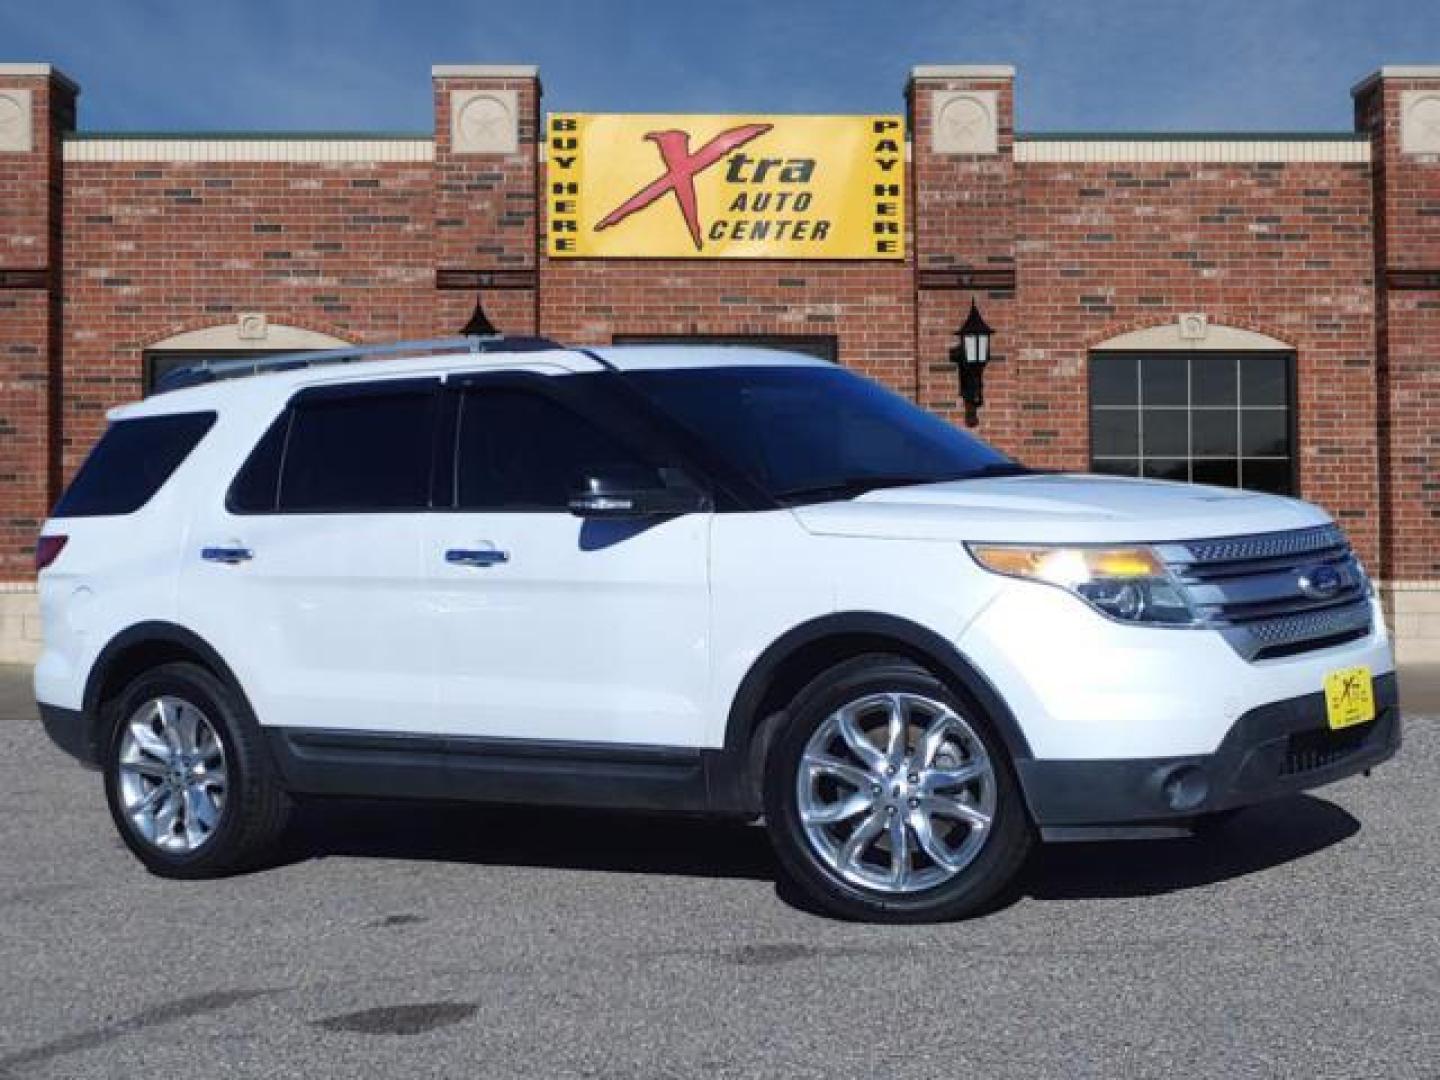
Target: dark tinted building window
<point>1205,418</point>
<point>131,462</point>
<point>521,451</point>
<point>367,448</point>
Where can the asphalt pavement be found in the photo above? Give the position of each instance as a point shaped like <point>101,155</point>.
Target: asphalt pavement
<point>423,940</point>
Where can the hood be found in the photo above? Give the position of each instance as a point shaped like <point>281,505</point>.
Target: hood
<point>1058,508</point>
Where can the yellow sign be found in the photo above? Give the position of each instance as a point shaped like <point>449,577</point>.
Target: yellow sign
<point>1349,697</point>
<point>727,187</point>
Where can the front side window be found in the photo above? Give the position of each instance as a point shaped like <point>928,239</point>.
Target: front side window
<point>521,451</point>
<point>811,433</point>
<point>367,448</point>
<point>1203,418</point>
<point>131,462</point>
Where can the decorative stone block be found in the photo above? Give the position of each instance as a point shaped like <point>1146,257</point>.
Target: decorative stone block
<point>1420,122</point>
<point>16,128</point>
<point>1194,326</point>
<point>484,122</point>
<point>965,122</point>
<point>252,326</point>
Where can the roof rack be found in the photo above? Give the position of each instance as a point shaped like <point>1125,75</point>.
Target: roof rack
<point>213,370</point>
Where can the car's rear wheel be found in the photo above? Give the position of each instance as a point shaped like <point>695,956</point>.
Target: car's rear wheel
<point>889,797</point>
<point>188,783</point>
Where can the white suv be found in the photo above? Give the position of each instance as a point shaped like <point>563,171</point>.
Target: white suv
<point>704,580</point>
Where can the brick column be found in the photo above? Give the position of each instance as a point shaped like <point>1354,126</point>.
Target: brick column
<point>963,208</point>
<point>487,122</point>
<point>37,105</point>
<point>1400,108</point>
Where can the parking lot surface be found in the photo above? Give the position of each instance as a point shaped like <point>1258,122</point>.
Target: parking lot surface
<point>409,941</point>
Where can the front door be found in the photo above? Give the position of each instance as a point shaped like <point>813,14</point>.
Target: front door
<point>550,627</point>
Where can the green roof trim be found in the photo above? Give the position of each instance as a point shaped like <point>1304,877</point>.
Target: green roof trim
<point>1191,136</point>
<point>250,136</point>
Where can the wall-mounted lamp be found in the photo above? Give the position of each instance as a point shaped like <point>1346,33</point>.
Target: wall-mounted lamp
<point>479,324</point>
<point>970,356</point>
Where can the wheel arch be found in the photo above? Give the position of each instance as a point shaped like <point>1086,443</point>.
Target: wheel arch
<point>138,648</point>
<point>803,652</point>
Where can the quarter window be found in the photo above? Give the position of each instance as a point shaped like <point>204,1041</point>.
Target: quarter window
<point>1205,418</point>
<point>365,449</point>
<point>522,451</point>
<point>131,462</point>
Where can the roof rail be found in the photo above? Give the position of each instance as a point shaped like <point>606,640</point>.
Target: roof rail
<point>212,370</point>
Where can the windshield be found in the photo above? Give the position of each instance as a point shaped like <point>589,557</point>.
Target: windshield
<point>806,434</point>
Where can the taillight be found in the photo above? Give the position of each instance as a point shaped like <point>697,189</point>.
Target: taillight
<point>47,550</point>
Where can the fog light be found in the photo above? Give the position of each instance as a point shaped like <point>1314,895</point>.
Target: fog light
<point>1185,787</point>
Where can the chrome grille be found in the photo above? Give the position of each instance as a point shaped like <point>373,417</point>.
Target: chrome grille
<point>1255,591</point>
<point>1267,545</point>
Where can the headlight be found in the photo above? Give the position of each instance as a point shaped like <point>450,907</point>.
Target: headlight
<point>1129,584</point>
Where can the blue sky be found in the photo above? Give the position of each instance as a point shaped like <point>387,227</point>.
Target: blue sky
<point>364,64</point>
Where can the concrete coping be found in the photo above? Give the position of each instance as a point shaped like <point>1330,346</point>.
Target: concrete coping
<point>962,71</point>
<point>1397,71</point>
<point>40,71</point>
<point>485,71</point>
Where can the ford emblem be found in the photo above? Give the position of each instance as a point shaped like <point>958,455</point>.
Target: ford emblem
<point>1320,582</point>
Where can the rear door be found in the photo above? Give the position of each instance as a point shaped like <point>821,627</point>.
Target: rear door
<point>308,574</point>
<point>551,628</point>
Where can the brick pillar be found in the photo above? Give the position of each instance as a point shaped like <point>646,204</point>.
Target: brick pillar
<point>37,105</point>
<point>487,123</point>
<point>1400,108</point>
<point>963,207</point>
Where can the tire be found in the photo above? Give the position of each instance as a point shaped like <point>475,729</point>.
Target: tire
<point>187,803</point>
<point>847,868</point>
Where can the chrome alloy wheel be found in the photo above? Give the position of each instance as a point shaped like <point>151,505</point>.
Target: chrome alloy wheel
<point>172,780</point>
<point>896,792</point>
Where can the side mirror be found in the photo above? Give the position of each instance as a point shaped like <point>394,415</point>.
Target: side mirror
<point>633,493</point>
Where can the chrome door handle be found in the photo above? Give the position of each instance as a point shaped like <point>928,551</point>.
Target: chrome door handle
<point>229,555</point>
<point>476,556</point>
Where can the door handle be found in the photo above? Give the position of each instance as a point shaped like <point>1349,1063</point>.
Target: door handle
<point>476,556</point>
<point>228,555</point>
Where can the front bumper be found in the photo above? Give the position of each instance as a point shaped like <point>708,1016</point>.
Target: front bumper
<point>1274,750</point>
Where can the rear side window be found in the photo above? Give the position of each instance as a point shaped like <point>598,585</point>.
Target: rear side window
<point>131,462</point>
<point>364,449</point>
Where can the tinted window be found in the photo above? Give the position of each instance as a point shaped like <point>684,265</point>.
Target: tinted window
<point>368,448</point>
<point>814,433</point>
<point>258,481</point>
<point>131,462</point>
<point>1206,418</point>
<point>520,450</point>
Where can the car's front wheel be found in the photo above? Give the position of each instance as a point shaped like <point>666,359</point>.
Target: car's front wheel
<point>889,798</point>
<point>187,781</point>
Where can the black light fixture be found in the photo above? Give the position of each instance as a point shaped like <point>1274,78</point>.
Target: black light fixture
<point>480,324</point>
<point>970,356</point>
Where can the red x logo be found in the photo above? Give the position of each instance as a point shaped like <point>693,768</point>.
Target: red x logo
<point>681,168</point>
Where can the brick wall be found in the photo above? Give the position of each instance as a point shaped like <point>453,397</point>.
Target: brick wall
<point>158,248</point>
<point>1407,256</point>
<point>486,208</point>
<point>1282,249</point>
<point>964,207</point>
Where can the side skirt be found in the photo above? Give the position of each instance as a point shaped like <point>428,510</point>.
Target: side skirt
<point>385,764</point>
